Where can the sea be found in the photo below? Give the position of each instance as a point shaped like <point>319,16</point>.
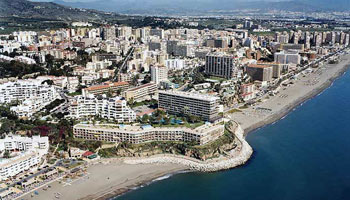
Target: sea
<point>305,155</point>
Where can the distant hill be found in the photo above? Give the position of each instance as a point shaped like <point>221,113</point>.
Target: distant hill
<point>47,10</point>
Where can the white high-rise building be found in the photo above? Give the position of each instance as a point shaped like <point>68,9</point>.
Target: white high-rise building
<point>158,74</point>
<point>285,57</point>
<point>175,64</point>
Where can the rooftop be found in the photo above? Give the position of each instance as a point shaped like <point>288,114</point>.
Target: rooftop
<point>258,66</point>
<point>106,85</point>
<point>201,130</point>
<point>191,95</point>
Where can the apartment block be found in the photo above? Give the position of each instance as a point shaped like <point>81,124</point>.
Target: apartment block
<point>106,87</point>
<point>203,106</point>
<point>159,74</point>
<point>109,108</point>
<point>248,91</point>
<point>141,92</point>
<point>141,134</point>
<point>285,57</point>
<point>220,65</point>
<point>260,72</point>
<point>23,162</point>
<point>28,152</point>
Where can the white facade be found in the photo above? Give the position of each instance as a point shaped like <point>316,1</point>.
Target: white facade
<point>23,162</point>
<point>31,94</point>
<point>158,74</point>
<point>69,83</point>
<point>110,108</point>
<point>26,89</point>
<point>30,153</point>
<point>19,143</point>
<point>25,36</point>
<point>98,65</point>
<point>287,57</point>
<point>175,64</point>
<point>25,60</point>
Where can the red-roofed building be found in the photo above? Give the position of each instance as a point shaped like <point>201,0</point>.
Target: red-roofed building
<point>105,87</point>
<point>87,154</point>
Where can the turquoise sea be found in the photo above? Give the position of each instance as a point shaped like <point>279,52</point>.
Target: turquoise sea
<point>306,155</point>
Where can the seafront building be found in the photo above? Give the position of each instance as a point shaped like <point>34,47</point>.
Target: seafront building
<point>22,162</point>
<point>288,57</point>
<point>141,134</point>
<point>260,72</point>
<point>109,108</point>
<point>248,91</point>
<point>204,106</point>
<point>27,152</point>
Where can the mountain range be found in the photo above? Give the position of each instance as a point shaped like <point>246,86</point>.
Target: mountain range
<point>91,10</point>
<point>47,10</point>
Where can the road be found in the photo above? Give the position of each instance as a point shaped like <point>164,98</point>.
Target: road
<point>131,51</point>
<point>64,106</point>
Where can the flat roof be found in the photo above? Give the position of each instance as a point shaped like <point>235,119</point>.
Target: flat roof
<point>142,86</point>
<point>201,130</point>
<point>190,95</point>
<point>259,66</point>
<point>98,87</point>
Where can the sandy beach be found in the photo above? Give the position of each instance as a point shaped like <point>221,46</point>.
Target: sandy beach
<point>111,179</point>
<point>105,180</point>
<point>303,89</point>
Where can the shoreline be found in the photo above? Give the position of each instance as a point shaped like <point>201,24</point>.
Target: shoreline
<point>278,116</point>
<point>237,157</point>
<point>141,172</point>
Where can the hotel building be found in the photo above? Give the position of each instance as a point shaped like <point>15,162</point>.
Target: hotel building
<point>260,72</point>
<point>203,106</point>
<point>220,65</point>
<point>141,134</point>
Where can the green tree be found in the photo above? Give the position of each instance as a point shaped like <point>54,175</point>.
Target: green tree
<point>6,154</point>
<point>145,118</point>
